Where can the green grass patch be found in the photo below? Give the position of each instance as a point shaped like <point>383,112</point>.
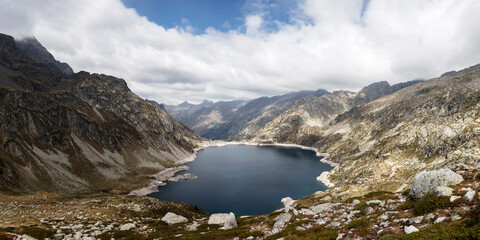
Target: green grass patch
<point>430,202</point>
<point>358,223</point>
<point>315,233</point>
<point>452,230</point>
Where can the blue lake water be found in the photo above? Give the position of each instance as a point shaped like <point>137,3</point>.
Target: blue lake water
<point>247,180</point>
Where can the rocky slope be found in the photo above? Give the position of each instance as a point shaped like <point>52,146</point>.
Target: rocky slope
<point>239,119</point>
<point>72,133</point>
<point>377,215</point>
<point>381,145</point>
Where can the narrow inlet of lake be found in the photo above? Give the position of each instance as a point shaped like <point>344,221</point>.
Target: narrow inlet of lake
<point>247,180</point>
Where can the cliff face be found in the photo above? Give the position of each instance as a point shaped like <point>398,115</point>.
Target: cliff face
<point>80,132</point>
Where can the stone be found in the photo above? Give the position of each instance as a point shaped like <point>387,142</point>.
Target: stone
<point>58,236</point>
<point>443,191</point>
<point>410,229</point>
<point>469,195</point>
<point>376,202</point>
<point>172,218</point>
<point>193,226</point>
<point>334,224</point>
<point>453,198</point>
<point>320,222</point>
<point>440,219</point>
<point>368,211</point>
<point>218,218</point>
<point>430,216</point>
<point>287,202</point>
<point>281,221</point>
<point>417,220</point>
<point>355,202</point>
<point>127,226</point>
<point>77,227</point>
<point>322,207</point>
<point>230,222</point>
<point>427,181</point>
<point>299,228</point>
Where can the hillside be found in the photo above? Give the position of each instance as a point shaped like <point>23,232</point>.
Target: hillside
<point>71,132</point>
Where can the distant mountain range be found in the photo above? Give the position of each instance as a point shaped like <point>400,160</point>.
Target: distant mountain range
<point>240,120</point>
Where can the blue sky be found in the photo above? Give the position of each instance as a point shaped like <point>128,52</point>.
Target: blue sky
<point>223,15</point>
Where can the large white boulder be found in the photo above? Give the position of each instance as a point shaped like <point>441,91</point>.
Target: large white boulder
<point>172,218</point>
<point>230,222</point>
<point>428,181</point>
<point>218,218</point>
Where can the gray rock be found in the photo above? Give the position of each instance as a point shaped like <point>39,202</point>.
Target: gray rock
<point>355,202</point>
<point>218,218</point>
<point>230,222</point>
<point>410,229</point>
<point>172,218</point>
<point>453,198</point>
<point>417,220</point>
<point>287,202</point>
<point>376,202</point>
<point>127,226</point>
<point>427,181</point>
<point>193,226</point>
<point>58,236</point>
<point>368,211</point>
<point>77,227</point>
<point>469,195</point>
<point>323,207</point>
<point>281,221</point>
<point>440,219</point>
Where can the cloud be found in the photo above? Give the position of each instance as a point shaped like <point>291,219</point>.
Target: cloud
<point>326,44</point>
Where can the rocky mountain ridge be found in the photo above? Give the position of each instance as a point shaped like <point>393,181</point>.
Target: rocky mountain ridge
<point>78,132</point>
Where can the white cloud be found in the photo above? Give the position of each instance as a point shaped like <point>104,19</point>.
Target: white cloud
<point>330,45</point>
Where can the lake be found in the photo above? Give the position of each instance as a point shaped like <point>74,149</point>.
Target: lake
<point>247,180</point>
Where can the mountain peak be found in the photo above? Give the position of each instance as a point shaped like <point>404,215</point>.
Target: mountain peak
<point>34,49</point>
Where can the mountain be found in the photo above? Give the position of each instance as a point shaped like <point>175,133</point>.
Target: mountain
<point>238,119</point>
<point>277,118</point>
<point>182,111</point>
<point>37,52</point>
<point>77,132</point>
<point>302,123</point>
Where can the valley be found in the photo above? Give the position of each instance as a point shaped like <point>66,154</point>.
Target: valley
<point>74,145</point>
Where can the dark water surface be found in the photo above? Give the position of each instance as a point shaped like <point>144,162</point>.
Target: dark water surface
<point>247,180</point>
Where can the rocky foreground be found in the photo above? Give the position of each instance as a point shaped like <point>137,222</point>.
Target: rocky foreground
<point>440,204</point>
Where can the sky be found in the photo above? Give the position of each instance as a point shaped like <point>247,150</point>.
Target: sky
<point>176,50</point>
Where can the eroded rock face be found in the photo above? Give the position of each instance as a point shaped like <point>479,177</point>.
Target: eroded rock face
<point>67,133</point>
<point>430,181</point>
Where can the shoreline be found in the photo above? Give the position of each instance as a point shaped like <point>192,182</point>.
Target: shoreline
<point>162,177</point>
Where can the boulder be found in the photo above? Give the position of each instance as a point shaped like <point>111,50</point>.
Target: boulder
<point>410,229</point>
<point>287,202</point>
<point>440,219</point>
<point>218,218</point>
<point>428,181</point>
<point>281,221</point>
<point>172,218</point>
<point>469,195</point>
<point>230,222</point>
<point>127,226</point>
